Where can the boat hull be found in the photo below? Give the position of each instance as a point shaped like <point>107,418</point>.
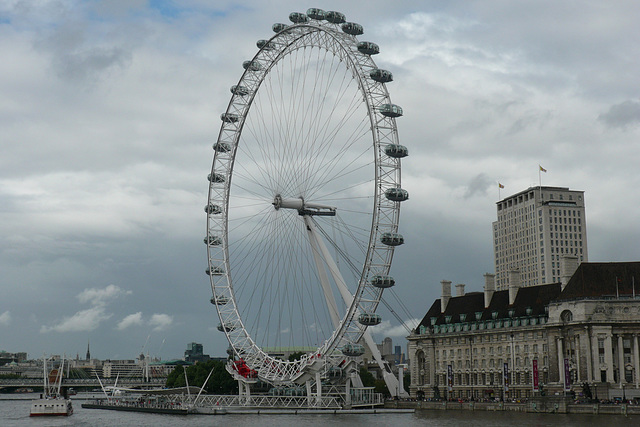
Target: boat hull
<point>51,408</point>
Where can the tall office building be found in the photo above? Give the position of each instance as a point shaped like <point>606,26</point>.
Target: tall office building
<point>535,230</point>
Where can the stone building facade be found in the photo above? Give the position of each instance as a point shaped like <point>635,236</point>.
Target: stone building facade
<point>582,336</point>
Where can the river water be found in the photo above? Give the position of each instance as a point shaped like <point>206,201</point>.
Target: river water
<point>16,413</point>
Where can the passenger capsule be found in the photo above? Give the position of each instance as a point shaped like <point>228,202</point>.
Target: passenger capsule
<point>369,319</point>
<point>239,90</point>
<point>382,76</point>
<point>335,17</point>
<point>229,117</point>
<point>227,327</point>
<point>382,282</point>
<point>352,350</point>
<point>396,194</point>
<point>396,151</point>
<point>212,209</point>
<point>279,27</point>
<point>368,48</point>
<point>298,18</point>
<point>251,65</point>
<point>265,44</point>
<point>352,28</point>
<point>390,110</point>
<point>392,239</point>
<point>215,271</point>
<point>222,147</point>
<point>213,241</point>
<point>317,14</point>
<point>216,177</point>
<point>222,300</point>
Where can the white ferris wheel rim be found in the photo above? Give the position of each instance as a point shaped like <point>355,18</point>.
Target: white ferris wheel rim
<point>383,218</point>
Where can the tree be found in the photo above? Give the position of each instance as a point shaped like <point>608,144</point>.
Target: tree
<point>367,378</point>
<point>220,382</point>
<point>295,356</point>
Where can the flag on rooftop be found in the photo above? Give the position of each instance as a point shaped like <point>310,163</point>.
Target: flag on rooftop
<point>542,169</point>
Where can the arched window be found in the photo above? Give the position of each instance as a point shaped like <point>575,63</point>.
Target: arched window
<point>566,316</point>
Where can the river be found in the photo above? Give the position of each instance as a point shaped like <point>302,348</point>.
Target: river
<point>16,413</point>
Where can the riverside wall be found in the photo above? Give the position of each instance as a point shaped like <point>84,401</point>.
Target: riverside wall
<point>549,405</point>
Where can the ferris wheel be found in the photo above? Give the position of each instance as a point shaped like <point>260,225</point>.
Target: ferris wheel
<point>304,200</point>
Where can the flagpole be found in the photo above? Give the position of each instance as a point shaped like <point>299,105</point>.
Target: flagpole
<point>539,177</point>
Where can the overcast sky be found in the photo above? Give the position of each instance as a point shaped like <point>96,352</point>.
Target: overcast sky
<point>108,111</point>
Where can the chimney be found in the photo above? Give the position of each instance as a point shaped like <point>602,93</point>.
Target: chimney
<point>514,284</point>
<point>460,290</point>
<point>568,266</point>
<point>446,295</point>
<point>489,288</point>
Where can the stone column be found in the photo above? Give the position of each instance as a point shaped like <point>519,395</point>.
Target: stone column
<point>608,356</point>
<point>589,355</point>
<point>560,360</point>
<point>636,359</point>
<point>576,343</point>
<point>620,360</point>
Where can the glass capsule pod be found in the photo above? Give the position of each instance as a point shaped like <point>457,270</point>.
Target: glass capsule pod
<point>222,300</point>
<point>390,110</point>
<point>368,48</point>
<point>352,28</point>
<point>239,90</point>
<point>216,177</point>
<point>222,147</point>
<point>335,17</point>
<point>251,65</point>
<point>278,27</point>
<point>226,327</point>
<point>396,194</point>
<point>215,271</point>
<point>212,209</point>
<point>383,282</point>
<point>369,319</point>
<point>265,44</point>
<point>396,151</point>
<point>229,117</point>
<point>381,76</point>
<point>352,350</point>
<point>315,13</point>
<point>392,239</point>
<point>213,240</point>
<point>298,17</point>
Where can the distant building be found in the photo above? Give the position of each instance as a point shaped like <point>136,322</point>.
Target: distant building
<point>387,347</point>
<point>504,343</point>
<point>195,353</point>
<point>535,229</point>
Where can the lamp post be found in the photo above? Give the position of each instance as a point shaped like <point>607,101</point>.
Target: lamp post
<point>513,366</point>
<point>471,363</point>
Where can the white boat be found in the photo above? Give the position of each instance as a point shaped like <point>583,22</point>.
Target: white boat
<point>52,402</point>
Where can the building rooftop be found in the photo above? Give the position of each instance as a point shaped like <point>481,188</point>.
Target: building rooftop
<point>603,279</point>
<point>591,280</point>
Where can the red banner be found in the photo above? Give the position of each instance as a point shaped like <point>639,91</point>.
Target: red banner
<point>536,383</point>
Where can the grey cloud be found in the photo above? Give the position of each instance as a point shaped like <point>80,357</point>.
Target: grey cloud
<point>622,115</point>
<point>76,58</point>
<point>478,185</point>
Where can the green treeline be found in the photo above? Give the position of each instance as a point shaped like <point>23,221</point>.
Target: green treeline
<point>221,382</point>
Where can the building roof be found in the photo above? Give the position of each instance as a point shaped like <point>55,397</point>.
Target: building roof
<point>591,280</point>
<point>602,279</point>
<point>535,298</point>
